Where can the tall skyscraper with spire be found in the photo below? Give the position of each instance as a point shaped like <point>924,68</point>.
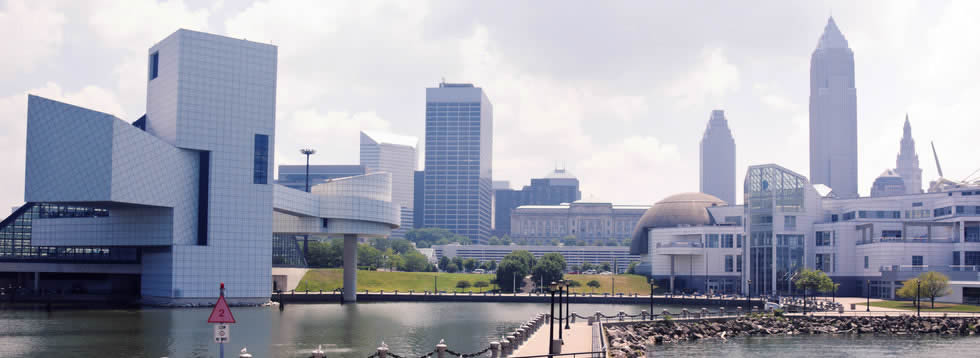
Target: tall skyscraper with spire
<point>718,159</point>
<point>907,164</point>
<point>833,114</point>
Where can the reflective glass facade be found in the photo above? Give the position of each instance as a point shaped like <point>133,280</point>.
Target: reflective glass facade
<point>772,191</point>
<point>458,145</point>
<point>15,238</point>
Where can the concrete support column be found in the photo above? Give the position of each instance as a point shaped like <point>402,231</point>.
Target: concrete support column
<point>350,268</point>
<point>672,273</point>
<point>37,281</point>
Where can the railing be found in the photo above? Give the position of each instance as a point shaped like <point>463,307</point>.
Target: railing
<point>913,240</point>
<point>924,268</point>
<point>571,355</point>
<point>680,244</point>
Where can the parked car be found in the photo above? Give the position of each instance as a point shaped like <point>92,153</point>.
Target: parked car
<point>589,272</point>
<point>606,273</point>
<point>480,271</point>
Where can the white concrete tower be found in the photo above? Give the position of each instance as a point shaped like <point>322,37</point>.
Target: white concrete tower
<point>395,154</point>
<point>718,159</point>
<point>833,114</point>
<point>907,164</point>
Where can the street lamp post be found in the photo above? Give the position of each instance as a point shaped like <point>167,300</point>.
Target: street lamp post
<point>868,309</point>
<point>551,335</point>
<point>748,297</point>
<point>561,317</point>
<point>568,304</point>
<point>918,300</point>
<point>308,152</point>
<point>651,297</point>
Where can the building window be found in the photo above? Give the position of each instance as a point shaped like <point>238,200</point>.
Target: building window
<point>916,260</point>
<point>971,258</point>
<point>865,262</point>
<point>823,238</point>
<point>154,64</point>
<point>727,241</point>
<point>738,241</point>
<point>849,216</point>
<point>260,171</point>
<point>891,233</point>
<point>942,211</point>
<point>729,263</point>
<point>789,223</point>
<point>834,218</point>
<point>738,264</point>
<point>956,258</point>
<point>712,241</point>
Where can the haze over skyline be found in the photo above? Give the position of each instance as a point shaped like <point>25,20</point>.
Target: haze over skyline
<point>619,92</point>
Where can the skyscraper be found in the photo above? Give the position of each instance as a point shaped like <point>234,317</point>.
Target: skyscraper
<point>394,154</point>
<point>833,114</point>
<point>558,187</point>
<point>458,159</point>
<point>718,159</point>
<point>907,163</point>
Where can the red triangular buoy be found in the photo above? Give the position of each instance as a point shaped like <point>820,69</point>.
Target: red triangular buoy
<point>221,313</point>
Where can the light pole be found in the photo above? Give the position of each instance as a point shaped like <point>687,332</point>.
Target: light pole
<point>651,297</point>
<point>561,317</point>
<point>568,304</point>
<point>551,335</point>
<point>918,300</point>
<point>868,309</point>
<point>513,280</point>
<point>308,152</point>
<point>748,297</point>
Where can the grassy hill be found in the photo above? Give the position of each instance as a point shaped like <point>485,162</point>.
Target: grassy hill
<point>330,279</point>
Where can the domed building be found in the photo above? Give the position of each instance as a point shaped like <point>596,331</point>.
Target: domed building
<point>690,242</point>
<point>889,183</point>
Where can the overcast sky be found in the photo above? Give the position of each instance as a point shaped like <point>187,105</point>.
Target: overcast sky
<point>619,91</point>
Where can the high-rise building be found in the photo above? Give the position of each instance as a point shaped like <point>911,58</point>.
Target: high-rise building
<point>418,221</point>
<point>458,159</point>
<point>907,163</point>
<point>833,114</point>
<point>294,176</point>
<point>718,159</point>
<point>394,154</point>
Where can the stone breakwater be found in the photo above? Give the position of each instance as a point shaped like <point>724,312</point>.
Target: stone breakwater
<point>631,339</point>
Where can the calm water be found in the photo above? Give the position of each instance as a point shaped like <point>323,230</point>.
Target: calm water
<point>356,330</point>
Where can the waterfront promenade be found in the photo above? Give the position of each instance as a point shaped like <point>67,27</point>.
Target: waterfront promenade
<point>395,296</point>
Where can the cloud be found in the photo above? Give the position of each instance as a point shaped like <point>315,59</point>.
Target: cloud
<point>334,135</point>
<point>32,33</point>
<point>714,77</point>
<point>637,170</point>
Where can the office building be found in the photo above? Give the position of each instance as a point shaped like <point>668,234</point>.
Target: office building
<point>907,163</point>
<point>868,245</point>
<point>617,257</point>
<point>458,160</point>
<point>558,187</point>
<point>418,219</point>
<point>294,176</point>
<point>718,159</point>
<point>833,114</point>
<point>172,205</point>
<point>592,222</point>
<point>391,153</point>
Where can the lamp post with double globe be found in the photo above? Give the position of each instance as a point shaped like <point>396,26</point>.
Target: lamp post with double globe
<point>307,152</point>
<point>868,309</point>
<point>553,287</point>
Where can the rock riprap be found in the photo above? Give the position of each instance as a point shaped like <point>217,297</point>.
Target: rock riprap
<point>630,339</point>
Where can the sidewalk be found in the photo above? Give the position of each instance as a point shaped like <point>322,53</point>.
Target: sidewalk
<point>578,339</point>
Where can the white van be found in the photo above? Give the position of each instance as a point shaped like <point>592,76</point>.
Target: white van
<point>479,271</point>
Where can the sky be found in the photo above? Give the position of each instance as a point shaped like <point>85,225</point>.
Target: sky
<point>618,92</point>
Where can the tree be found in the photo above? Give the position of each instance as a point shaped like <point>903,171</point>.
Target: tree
<point>481,285</point>
<point>458,261</point>
<point>512,270</point>
<point>549,268</point>
<point>815,280</point>
<point>414,262</point>
<point>325,254</point>
<point>587,266</point>
<point>462,284</point>
<point>426,237</point>
<point>573,283</point>
<point>470,264</point>
<point>632,268</point>
<point>444,262</point>
<point>525,256</point>
<point>934,284</point>
<point>493,265</point>
<point>368,256</point>
<point>452,268</point>
<point>594,284</point>
<point>605,266</point>
<point>575,268</point>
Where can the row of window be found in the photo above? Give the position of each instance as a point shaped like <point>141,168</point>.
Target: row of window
<point>724,241</point>
<point>729,259</point>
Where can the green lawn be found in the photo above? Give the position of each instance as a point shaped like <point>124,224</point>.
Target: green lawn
<point>926,307</point>
<point>626,284</point>
<point>330,279</point>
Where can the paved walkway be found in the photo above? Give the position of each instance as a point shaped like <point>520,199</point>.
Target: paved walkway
<point>578,339</point>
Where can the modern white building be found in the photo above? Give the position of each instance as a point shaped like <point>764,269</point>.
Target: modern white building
<point>833,114</point>
<point>717,167</point>
<point>396,154</point>
<point>181,200</point>
<point>867,245</point>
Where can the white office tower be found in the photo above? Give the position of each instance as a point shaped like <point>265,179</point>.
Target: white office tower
<point>397,155</point>
<point>907,164</point>
<point>718,159</point>
<point>189,183</point>
<point>833,114</point>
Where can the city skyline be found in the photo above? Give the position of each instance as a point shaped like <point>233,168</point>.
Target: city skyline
<point>618,125</point>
